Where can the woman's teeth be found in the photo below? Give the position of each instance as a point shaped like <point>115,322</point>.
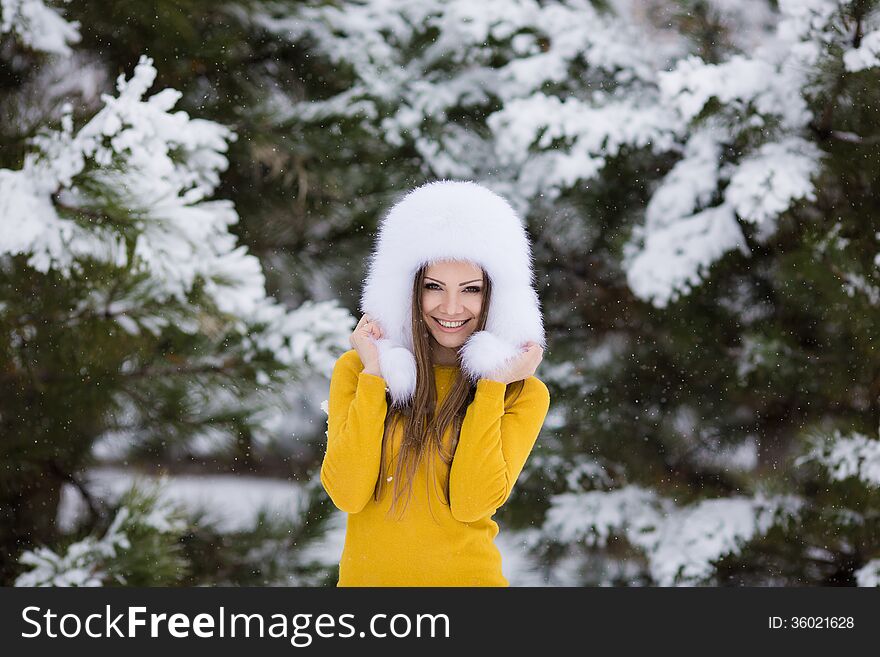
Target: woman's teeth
<point>450,325</point>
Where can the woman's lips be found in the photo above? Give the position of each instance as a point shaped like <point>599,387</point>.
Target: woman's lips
<point>450,330</point>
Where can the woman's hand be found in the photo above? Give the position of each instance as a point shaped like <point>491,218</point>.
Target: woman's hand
<point>362,341</point>
<point>523,366</point>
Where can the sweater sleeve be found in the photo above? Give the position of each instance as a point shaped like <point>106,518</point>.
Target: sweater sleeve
<point>493,447</point>
<point>355,424</point>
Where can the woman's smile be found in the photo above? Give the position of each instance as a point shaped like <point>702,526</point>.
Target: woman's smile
<point>450,327</point>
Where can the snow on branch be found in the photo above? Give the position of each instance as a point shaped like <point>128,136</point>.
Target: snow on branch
<point>159,165</point>
<point>38,26</point>
<point>557,143</point>
<point>767,182</point>
<point>856,455</point>
<point>81,564</point>
<point>681,543</point>
<point>675,258</point>
<point>869,574</point>
<point>95,561</point>
<point>413,63</point>
<point>770,88</point>
<point>142,175</point>
<point>764,95</point>
<point>866,56</point>
<point>681,239</point>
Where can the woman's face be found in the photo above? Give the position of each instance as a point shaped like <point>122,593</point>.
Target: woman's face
<point>452,291</point>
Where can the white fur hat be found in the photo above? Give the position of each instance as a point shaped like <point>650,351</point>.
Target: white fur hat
<point>451,220</point>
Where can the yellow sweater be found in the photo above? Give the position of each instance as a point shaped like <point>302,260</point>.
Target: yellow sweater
<point>454,546</point>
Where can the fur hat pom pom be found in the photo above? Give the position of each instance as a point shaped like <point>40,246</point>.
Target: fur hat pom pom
<point>484,354</point>
<point>398,366</point>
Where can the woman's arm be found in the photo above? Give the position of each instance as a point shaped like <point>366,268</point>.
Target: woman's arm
<point>493,447</point>
<point>355,424</point>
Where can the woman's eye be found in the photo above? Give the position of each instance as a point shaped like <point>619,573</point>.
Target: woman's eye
<point>474,289</point>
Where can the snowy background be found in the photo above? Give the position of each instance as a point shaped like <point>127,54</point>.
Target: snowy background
<point>188,196</point>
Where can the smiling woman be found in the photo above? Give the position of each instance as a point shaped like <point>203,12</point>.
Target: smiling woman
<point>430,407</point>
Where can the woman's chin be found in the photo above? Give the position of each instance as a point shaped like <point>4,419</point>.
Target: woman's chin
<point>451,340</point>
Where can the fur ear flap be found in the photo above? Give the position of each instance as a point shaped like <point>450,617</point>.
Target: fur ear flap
<point>398,367</point>
<point>485,353</point>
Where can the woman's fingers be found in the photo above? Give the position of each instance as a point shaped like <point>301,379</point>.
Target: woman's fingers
<point>532,347</point>
<point>536,355</point>
<point>372,328</point>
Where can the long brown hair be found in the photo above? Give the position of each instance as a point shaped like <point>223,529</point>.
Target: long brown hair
<point>422,431</point>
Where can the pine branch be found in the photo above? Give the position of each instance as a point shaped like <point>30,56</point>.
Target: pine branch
<point>94,508</point>
<point>859,33</point>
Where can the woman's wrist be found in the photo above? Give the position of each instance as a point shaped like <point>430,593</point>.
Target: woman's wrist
<point>375,371</point>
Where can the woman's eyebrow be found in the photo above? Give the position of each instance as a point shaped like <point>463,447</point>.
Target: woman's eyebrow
<point>476,280</point>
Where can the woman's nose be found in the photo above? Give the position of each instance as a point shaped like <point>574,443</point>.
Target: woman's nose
<point>452,305</point>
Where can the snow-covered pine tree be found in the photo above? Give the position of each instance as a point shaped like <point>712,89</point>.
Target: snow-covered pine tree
<point>140,546</point>
<point>698,178</point>
<point>128,305</point>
